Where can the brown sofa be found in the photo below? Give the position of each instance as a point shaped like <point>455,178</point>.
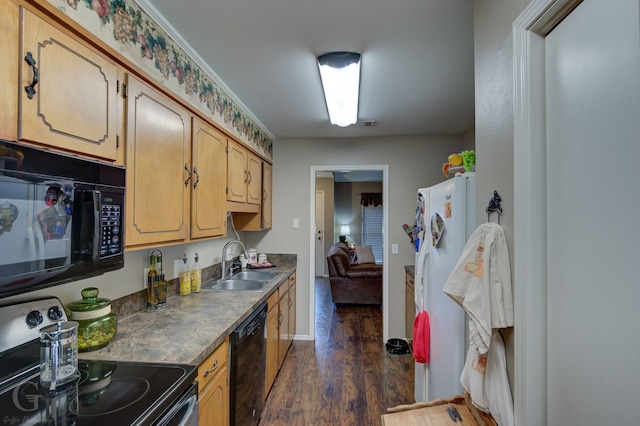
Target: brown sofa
<point>353,284</point>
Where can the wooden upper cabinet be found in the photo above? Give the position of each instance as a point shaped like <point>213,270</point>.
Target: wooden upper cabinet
<point>267,199</point>
<point>67,91</point>
<point>254,184</point>
<point>209,161</point>
<point>9,50</point>
<point>252,221</point>
<point>237,172</point>
<point>244,175</point>
<point>158,167</point>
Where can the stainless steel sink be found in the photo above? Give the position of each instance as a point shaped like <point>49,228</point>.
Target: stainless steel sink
<point>239,284</point>
<point>255,275</point>
<point>245,280</point>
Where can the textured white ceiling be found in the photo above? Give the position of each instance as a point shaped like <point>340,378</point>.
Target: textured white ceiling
<point>417,65</point>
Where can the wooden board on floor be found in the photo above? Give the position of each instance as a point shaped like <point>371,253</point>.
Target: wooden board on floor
<point>428,416</point>
<point>435,413</point>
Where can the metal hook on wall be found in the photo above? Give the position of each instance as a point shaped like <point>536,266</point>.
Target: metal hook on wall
<point>494,206</point>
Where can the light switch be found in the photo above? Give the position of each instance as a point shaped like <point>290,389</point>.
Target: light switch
<point>296,223</point>
<point>394,248</point>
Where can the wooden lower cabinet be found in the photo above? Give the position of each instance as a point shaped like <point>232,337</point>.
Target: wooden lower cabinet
<point>273,337</point>
<point>213,388</point>
<point>281,323</point>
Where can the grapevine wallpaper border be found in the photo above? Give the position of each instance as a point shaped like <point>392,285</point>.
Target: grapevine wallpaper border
<point>134,34</point>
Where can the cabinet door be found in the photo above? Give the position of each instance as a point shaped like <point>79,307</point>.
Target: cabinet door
<point>238,175</point>
<point>272,362</point>
<point>158,167</point>
<point>209,168</point>
<point>213,406</point>
<point>284,325</point>
<point>254,182</point>
<point>9,49</point>
<point>73,104</point>
<point>292,307</point>
<point>267,201</point>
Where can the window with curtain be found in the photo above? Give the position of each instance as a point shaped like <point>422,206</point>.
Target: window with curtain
<point>372,223</point>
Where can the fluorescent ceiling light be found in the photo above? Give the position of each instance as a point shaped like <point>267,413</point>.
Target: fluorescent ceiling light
<point>340,74</point>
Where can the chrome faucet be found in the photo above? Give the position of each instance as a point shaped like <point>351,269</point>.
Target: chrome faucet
<point>224,256</point>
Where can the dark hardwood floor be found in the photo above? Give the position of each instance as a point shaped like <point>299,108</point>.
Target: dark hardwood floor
<point>345,377</point>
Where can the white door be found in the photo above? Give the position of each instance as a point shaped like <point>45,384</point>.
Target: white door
<point>593,227</point>
<point>321,259</point>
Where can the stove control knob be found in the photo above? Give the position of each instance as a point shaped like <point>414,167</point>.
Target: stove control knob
<point>34,318</point>
<point>54,313</point>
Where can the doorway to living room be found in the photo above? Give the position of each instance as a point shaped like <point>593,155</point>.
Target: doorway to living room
<point>330,227</point>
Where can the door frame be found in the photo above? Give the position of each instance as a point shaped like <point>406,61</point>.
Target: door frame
<point>384,168</point>
<point>530,208</point>
<point>318,262</point>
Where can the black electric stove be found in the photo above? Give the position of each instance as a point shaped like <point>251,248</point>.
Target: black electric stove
<point>106,392</point>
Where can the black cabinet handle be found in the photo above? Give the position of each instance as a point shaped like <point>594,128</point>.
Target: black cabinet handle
<point>36,76</point>
<point>186,182</point>
<point>195,171</point>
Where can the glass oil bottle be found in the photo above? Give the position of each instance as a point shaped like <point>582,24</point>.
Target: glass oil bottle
<point>185,277</point>
<point>162,284</point>
<point>196,276</point>
<point>152,285</point>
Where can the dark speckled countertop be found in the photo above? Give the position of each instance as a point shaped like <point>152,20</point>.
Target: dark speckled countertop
<point>189,328</point>
<point>410,269</point>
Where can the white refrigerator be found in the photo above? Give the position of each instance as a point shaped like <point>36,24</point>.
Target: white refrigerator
<point>454,202</point>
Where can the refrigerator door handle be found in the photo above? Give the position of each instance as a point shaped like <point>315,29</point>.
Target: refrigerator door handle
<point>421,271</point>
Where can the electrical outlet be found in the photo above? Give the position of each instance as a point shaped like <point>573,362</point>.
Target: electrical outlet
<point>394,248</point>
<point>144,278</point>
<point>296,223</point>
<point>177,265</point>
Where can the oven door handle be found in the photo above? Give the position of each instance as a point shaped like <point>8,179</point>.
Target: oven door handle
<point>185,410</point>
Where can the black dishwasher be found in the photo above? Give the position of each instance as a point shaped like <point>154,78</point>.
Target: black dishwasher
<point>248,360</point>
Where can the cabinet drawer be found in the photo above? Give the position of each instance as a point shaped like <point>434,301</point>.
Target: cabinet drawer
<point>212,365</point>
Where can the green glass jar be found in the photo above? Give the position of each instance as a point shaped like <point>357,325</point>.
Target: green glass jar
<point>97,325</point>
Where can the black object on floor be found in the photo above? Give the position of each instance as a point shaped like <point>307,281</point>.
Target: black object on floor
<point>398,346</point>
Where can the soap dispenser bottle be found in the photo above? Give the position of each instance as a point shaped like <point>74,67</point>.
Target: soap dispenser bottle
<point>196,276</point>
<point>185,277</point>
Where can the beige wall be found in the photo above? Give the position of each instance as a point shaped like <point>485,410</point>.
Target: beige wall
<point>413,162</point>
<point>493,52</point>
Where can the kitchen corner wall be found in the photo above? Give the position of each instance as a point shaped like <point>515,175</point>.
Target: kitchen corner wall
<point>493,51</point>
<point>413,162</point>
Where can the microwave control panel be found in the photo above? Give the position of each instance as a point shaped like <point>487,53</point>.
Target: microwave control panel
<point>111,230</point>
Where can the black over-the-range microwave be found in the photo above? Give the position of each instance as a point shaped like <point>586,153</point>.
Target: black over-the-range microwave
<point>61,218</point>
